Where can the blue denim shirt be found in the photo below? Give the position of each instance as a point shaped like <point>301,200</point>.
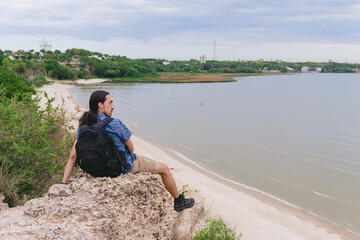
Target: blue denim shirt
<point>120,134</point>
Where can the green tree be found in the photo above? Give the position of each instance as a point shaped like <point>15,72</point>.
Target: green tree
<point>48,56</point>
<point>19,67</point>
<point>37,68</point>
<point>6,63</point>
<point>55,70</point>
<point>52,66</point>
<point>64,57</point>
<point>93,62</point>
<point>40,81</point>
<point>57,52</point>
<point>12,84</point>
<point>83,73</point>
<point>84,60</point>
<point>132,72</point>
<point>8,52</point>
<point>99,70</point>
<point>111,73</point>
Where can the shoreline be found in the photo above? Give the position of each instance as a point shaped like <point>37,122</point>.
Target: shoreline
<point>255,214</point>
<point>266,198</point>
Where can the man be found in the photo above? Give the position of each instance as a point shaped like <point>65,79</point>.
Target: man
<point>101,107</point>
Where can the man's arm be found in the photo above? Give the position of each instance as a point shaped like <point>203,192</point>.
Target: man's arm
<point>70,164</point>
<point>129,145</point>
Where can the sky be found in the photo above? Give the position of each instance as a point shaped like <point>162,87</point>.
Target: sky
<point>288,30</point>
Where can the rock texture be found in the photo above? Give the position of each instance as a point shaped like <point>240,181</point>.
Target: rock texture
<point>128,207</point>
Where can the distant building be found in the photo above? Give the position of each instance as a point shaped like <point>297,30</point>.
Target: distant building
<point>95,56</point>
<point>278,61</point>
<point>45,44</point>
<point>305,69</point>
<point>203,59</point>
<point>290,69</point>
<point>166,63</point>
<point>318,69</point>
<point>266,69</point>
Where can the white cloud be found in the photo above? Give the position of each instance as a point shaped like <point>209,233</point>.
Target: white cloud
<point>147,27</point>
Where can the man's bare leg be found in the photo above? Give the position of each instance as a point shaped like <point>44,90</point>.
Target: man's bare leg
<point>169,182</point>
<point>180,202</point>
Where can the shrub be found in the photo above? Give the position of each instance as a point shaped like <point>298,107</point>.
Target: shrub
<point>215,229</point>
<point>58,71</point>
<point>131,72</point>
<point>111,73</point>
<point>82,73</point>
<point>99,70</point>
<point>40,81</point>
<point>12,83</point>
<point>33,147</point>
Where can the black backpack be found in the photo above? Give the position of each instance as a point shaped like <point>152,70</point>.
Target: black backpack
<point>96,152</point>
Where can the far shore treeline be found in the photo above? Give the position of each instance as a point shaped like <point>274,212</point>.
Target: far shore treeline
<point>79,63</point>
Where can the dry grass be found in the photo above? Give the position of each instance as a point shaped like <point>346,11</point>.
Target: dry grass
<point>184,78</point>
<point>188,220</point>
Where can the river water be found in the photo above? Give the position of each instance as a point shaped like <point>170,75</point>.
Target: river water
<point>296,137</point>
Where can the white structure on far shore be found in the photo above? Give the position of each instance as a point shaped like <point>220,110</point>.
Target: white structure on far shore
<point>45,44</point>
<point>95,56</point>
<point>203,59</point>
<point>290,69</point>
<point>305,69</point>
<point>312,70</point>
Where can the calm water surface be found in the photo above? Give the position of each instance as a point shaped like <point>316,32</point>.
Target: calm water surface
<point>296,137</point>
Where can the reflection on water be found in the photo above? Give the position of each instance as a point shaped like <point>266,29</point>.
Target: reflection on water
<point>296,137</point>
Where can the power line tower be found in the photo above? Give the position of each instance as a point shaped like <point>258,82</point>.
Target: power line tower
<point>214,51</point>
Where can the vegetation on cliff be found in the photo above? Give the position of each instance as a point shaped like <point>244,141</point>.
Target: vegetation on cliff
<point>216,229</point>
<point>33,141</point>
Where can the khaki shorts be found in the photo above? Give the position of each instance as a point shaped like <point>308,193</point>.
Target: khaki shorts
<point>143,164</point>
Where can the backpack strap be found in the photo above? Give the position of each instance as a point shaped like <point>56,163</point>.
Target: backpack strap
<point>102,123</point>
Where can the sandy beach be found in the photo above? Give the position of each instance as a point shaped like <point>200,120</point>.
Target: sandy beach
<point>255,215</point>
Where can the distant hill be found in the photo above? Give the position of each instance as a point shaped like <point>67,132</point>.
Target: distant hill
<point>80,63</point>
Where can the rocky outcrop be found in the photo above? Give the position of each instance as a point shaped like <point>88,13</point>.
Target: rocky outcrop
<point>128,207</point>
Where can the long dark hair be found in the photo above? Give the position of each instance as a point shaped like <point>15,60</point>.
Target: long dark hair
<point>90,117</point>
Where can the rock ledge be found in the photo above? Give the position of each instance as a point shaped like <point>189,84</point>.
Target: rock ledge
<point>127,207</point>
